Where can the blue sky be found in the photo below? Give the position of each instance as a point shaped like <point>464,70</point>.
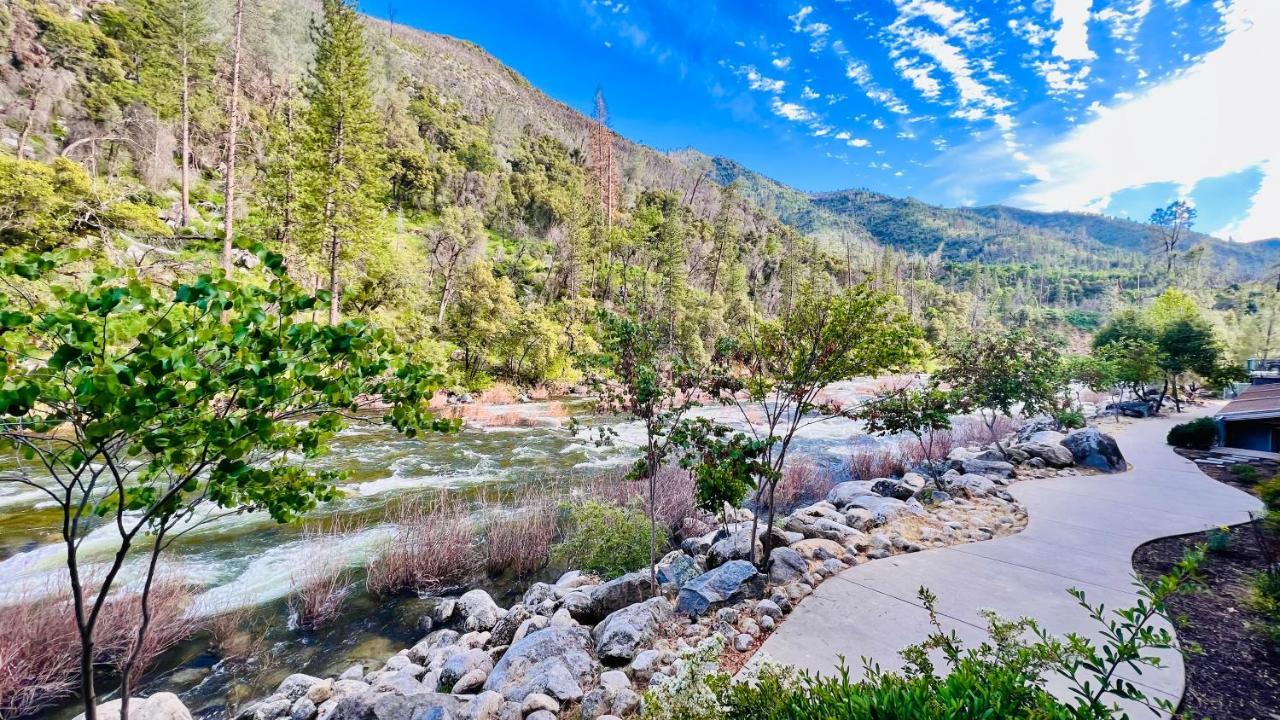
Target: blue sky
<point>1112,106</point>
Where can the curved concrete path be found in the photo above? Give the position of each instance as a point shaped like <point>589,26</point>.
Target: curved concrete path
<point>1081,533</point>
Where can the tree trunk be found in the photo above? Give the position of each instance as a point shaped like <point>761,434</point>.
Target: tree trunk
<point>135,652</point>
<point>335,248</point>
<point>185,215</point>
<point>233,129</point>
<point>653,514</point>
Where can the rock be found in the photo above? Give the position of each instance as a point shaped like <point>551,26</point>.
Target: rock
<point>444,610</point>
<point>644,664</point>
<point>1034,426</point>
<point>1043,436</point>
<point>997,468</point>
<point>563,617</point>
<point>540,715</point>
<point>779,537</point>
<point>504,631</point>
<point>461,664</point>
<point>885,509</point>
<point>321,691</point>
<point>619,593</point>
<point>490,706</point>
<point>355,672</point>
<point>614,697</point>
<point>417,706</point>
<point>859,518</point>
<point>768,609</point>
<point>538,592</point>
<point>697,545</point>
<point>437,640</point>
<point>469,683</point>
<point>676,569</point>
<point>160,706</point>
<point>533,702</point>
<point>292,687</point>
<point>844,493</point>
<point>1093,448</point>
<point>580,606</point>
<point>818,520</point>
<point>480,611</point>
<point>819,549</point>
<point>303,709</point>
<point>625,632</point>
<point>914,480</point>
<point>1053,454</point>
<point>399,682</point>
<point>786,565</point>
<point>742,642</point>
<point>556,662</point>
<point>732,582</point>
<point>971,484</point>
<point>533,624</point>
<point>737,546</point>
<point>893,489</point>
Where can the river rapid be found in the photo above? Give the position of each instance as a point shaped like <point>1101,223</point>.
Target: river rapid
<point>249,561</point>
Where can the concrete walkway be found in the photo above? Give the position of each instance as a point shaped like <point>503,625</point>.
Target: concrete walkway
<point>1082,532</point>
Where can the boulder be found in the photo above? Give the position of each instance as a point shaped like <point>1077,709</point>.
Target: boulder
<point>417,706</point>
<point>1043,436</point>
<point>461,664</point>
<point>996,468</point>
<point>808,521</point>
<point>819,549</point>
<point>480,611</point>
<point>1034,426</point>
<point>786,565</point>
<point>971,484</point>
<point>505,631</point>
<point>884,509</point>
<point>556,662</point>
<point>732,582</point>
<point>843,493</point>
<point>677,568</point>
<point>538,592</point>
<point>737,546</point>
<point>160,706</point>
<point>892,488</point>
<point>619,593</point>
<point>580,606</point>
<point>291,688</point>
<point>627,631</point>
<point>1053,454</point>
<point>1093,448</point>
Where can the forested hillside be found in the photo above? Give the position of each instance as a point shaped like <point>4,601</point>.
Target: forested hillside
<point>433,189</point>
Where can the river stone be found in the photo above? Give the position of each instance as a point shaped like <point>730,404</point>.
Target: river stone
<point>534,702</point>
<point>538,592</point>
<point>1054,454</point>
<point>417,706</point>
<point>971,484</point>
<point>461,664</point>
<point>424,650</point>
<point>557,662</point>
<point>399,682</point>
<point>1093,448</point>
<point>844,493</point>
<point>160,706</point>
<point>732,582</point>
<point>892,488</point>
<point>737,546</point>
<point>819,549</point>
<point>621,635</point>
<point>579,605</point>
<point>786,565</point>
<point>303,709</point>
<point>480,611</point>
<point>504,631</point>
<point>677,568</point>
<point>470,682</point>
<point>533,624</point>
<point>996,468</point>
<point>618,593</point>
<point>806,520</point>
<point>884,509</point>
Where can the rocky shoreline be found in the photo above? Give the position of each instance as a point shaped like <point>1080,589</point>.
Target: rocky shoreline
<point>583,648</point>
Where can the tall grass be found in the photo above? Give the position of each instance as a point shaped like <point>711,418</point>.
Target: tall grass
<point>519,542</point>
<point>802,482</point>
<point>40,649</point>
<point>434,548</point>
<point>320,585</point>
<point>674,497</point>
<point>875,462</point>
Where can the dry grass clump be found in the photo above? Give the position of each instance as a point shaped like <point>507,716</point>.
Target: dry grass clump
<point>322,583</point>
<point>40,649</point>
<point>875,462</point>
<point>674,497</point>
<point>434,548</point>
<point>519,542</point>
<point>237,634</point>
<point>802,481</point>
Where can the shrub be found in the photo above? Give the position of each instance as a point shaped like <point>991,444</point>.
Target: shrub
<point>520,542</point>
<point>434,548</point>
<point>802,482</point>
<point>1265,598</point>
<point>1199,434</point>
<point>1269,491</point>
<point>1219,539</point>
<point>605,539</point>
<point>1070,419</point>
<point>676,494</point>
<point>872,463</point>
<point>1245,472</point>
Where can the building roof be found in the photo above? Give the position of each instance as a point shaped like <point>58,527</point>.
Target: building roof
<point>1256,402</point>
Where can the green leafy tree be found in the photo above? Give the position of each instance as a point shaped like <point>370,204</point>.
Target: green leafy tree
<point>724,463</point>
<point>1170,225</point>
<point>919,412</point>
<point>997,373</point>
<point>484,312</point>
<point>152,411</point>
<point>783,365</point>
<point>342,171</point>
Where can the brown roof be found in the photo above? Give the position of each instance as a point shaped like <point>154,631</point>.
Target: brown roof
<point>1255,402</point>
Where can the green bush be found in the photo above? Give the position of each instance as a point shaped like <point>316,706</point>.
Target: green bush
<point>1266,600</point>
<point>1245,472</point>
<point>1070,419</point>
<point>1003,677</point>
<point>1219,539</point>
<point>606,539</point>
<point>1199,434</point>
<point>1269,491</point>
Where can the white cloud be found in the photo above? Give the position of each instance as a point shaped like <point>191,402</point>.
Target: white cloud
<point>920,75</point>
<point>1063,77</point>
<point>954,23</point>
<point>756,81</point>
<point>843,135</point>
<point>1207,121</point>
<point>1071,39</point>
<point>1124,19</point>
<point>797,20</point>
<point>858,72</point>
<point>791,111</point>
<point>858,142</point>
<point>782,63</point>
<point>877,124</point>
<point>809,93</point>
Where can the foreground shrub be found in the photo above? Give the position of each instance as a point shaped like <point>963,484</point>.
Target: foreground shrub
<point>1245,472</point>
<point>1004,677</point>
<point>434,548</point>
<point>520,542</point>
<point>675,500</point>
<point>1265,598</point>
<point>802,482</point>
<point>1269,491</point>
<point>1199,434</point>
<point>605,539</point>
<point>1070,419</point>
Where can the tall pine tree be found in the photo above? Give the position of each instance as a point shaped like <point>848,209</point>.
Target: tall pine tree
<point>342,172</point>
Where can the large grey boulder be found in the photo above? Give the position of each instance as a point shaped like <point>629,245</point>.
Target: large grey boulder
<point>1054,454</point>
<point>786,565</point>
<point>844,493</point>
<point>892,488</point>
<point>971,484</point>
<point>417,706</point>
<point>160,706</point>
<point>806,519</point>
<point>558,662</point>
<point>884,509</point>
<point>627,631</point>
<point>730,583</point>
<point>505,631</point>
<point>994,468</point>
<point>737,546</point>
<point>1093,448</point>
<point>480,611</point>
<point>1034,426</point>
<point>619,593</point>
<point>456,667</point>
<point>678,568</point>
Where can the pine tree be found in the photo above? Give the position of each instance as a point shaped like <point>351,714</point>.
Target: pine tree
<point>342,173</point>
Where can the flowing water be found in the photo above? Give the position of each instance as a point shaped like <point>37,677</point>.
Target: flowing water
<point>249,561</point>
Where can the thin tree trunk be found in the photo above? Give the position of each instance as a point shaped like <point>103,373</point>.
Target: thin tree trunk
<point>233,129</point>
<point>185,216</point>
<point>135,652</point>
<point>335,248</point>
<point>653,514</point>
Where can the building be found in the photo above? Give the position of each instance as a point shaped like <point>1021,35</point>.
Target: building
<point>1252,420</point>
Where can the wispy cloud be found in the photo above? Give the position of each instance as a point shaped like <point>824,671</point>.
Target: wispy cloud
<point>791,111</point>
<point>1071,39</point>
<point>860,74</point>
